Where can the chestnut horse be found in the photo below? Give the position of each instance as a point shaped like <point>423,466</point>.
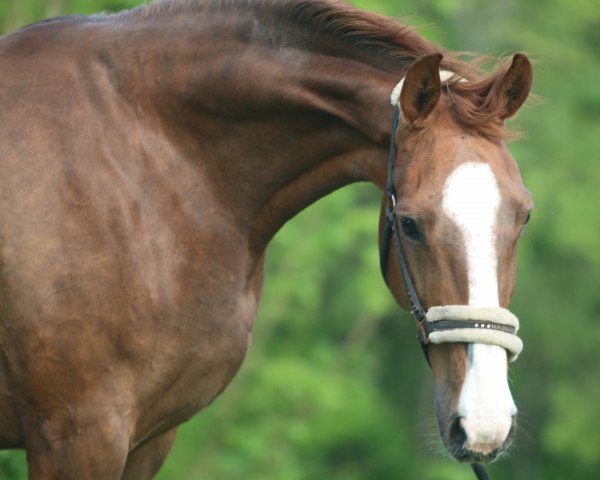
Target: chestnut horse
<point>149,157</point>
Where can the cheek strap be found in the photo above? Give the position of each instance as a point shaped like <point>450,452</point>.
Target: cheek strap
<point>463,323</point>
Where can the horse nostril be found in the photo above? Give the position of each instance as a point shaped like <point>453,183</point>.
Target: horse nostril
<point>469,444</point>
<point>457,434</point>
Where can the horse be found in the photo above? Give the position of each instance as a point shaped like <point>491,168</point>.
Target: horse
<point>148,158</point>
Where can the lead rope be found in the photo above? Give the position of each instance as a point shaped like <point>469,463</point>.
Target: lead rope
<point>391,229</point>
<point>479,471</point>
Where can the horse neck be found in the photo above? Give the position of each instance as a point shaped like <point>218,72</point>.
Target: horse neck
<point>274,127</point>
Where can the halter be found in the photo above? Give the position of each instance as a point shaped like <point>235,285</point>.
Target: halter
<point>449,323</point>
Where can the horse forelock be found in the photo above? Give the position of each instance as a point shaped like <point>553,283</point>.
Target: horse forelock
<point>478,106</point>
<point>472,97</point>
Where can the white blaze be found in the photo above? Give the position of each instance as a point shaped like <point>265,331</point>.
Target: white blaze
<point>471,200</point>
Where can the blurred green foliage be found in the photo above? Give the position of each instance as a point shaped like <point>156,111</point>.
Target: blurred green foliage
<point>335,385</point>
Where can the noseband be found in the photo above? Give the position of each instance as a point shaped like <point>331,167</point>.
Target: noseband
<point>449,323</point>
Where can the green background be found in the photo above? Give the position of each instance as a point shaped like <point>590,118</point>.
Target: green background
<point>335,385</point>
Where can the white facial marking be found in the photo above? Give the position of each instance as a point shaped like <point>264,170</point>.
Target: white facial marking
<point>471,200</point>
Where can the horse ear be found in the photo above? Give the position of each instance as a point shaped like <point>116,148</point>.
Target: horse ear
<point>421,88</point>
<point>515,85</point>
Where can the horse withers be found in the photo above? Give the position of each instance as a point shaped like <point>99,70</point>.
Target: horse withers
<point>149,157</point>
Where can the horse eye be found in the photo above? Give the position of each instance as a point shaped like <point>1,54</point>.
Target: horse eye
<point>527,219</point>
<point>410,229</point>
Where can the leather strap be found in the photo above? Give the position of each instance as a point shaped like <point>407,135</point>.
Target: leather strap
<point>454,324</point>
<point>391,228</point>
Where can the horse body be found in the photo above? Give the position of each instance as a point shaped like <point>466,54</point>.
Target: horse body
<point>135,218</point>
<point>117,265</point>
<point>148,158</point>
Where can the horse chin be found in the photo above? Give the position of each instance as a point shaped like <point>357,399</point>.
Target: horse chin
<point>467,456</point>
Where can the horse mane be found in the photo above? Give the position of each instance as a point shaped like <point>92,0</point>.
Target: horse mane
<point>375,33</point>
<point>472,102</point>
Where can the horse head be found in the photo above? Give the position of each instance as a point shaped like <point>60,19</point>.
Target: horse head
<point>460,206</point>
